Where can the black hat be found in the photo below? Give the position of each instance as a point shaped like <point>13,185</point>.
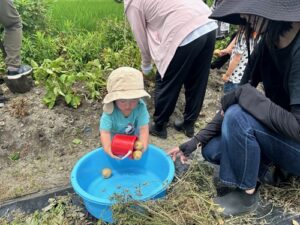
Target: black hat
<point>279,10</point>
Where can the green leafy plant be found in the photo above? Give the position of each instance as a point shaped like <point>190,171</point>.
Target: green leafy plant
<point>77,141</point>
<point>34,14</point>
<point>14,156</point>
<point>39,46</point>
<point>60,79</point>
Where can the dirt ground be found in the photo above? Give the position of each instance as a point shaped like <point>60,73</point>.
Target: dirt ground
<point>39,146</point>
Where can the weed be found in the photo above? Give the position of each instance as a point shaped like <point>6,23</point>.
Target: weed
<point>19,108</point>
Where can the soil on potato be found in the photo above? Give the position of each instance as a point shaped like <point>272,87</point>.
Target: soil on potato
<point>39,146</point>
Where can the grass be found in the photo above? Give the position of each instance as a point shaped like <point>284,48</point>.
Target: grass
<point>83,14</point>
<point>189,201</point>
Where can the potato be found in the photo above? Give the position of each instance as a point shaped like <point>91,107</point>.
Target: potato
<point>217,51</point>
<point>138,145</point>
<point>137,154</point>
<point>106,173</point>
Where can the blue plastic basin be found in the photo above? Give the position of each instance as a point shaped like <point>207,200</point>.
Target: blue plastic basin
<point>141,180</point>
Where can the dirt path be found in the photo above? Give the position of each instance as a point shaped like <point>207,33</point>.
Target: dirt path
<point>38,146</point>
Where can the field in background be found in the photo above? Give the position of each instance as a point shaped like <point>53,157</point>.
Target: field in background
<point>83,14</point>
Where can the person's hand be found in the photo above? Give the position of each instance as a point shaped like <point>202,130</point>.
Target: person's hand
<point>176,152</point>
<point>220,53</point>
<point>222,113</point>
<point>146,69</point>
<point>112,155</point>
<point>225,77</point>
<point>231,98</point>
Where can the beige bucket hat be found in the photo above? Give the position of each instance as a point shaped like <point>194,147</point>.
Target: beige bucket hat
<point>123,83</point>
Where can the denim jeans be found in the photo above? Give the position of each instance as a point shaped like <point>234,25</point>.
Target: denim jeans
<point>246,147</point>
<point>229,86</point>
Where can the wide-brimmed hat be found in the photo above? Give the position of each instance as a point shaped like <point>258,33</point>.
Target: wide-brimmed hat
<point>279,10</point>
<point>123,83</point>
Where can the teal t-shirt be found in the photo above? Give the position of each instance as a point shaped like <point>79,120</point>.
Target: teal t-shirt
<point>117,123</point>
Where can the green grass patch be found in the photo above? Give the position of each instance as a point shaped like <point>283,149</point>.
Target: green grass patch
<point>83,14</point>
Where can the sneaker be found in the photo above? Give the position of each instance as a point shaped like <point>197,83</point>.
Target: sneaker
<point>186,127</point>
<point>16,74</point>
<point>158,131</point>
<point>238,202</point>
<point>17,81</point>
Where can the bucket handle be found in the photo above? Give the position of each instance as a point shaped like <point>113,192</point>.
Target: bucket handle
<point>125,156</point>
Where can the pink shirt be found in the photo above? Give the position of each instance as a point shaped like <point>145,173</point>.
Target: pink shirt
<point>159,26</point>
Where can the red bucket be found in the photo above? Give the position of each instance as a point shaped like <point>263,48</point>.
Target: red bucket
<point>122,143</point>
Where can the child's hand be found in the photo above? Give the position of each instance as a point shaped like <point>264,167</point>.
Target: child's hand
<point>219,52</point>
<point>112,155</point>
<point>225,77</point>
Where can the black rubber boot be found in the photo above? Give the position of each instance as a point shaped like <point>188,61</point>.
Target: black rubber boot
<point>158,131</point>
<point>186,127</point>
<point>238,202</point>
<point>19,81</point>
<point>221,188</point>
<point>20,85</point>
<point>275,176</point>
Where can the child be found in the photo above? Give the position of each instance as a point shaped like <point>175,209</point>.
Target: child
<point>223,28</point>
<point>124,112</point>
<point>238,60</point>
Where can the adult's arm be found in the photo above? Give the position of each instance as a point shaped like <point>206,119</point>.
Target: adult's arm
<point>265,111</point>
<point>268,113</point>
<point>211,130</point>
<point>136,19</point>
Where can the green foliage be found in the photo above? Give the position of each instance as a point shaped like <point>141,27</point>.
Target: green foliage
<point>221,44</point>
<point>14,156</point>
<point>39,46</point>
<point>58,78</point>
<point>116,33</point>
<point>94,79</point>
<point>61,79</point>
<point>84,14</point>
<point>77,141</point>
<point>33,14</point>
<point>209,2</point>
<point>129,55</point>
<point>83,47</point>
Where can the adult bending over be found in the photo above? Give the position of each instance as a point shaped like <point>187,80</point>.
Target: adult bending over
<point>179,37</point>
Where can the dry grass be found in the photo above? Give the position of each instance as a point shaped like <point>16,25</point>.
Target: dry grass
<point>189,202</point>
<point>19,108</point>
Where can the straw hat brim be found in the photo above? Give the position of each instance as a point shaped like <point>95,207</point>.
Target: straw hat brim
<point>229,10</point>
<point>108,100</point>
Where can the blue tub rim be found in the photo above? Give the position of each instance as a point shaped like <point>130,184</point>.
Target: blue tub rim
<point>92,199</point>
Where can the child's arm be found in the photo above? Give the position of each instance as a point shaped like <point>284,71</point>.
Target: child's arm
<point>144,136</point>
<point>232,65</point>
<point>227,50</point>
<point>105,138</point>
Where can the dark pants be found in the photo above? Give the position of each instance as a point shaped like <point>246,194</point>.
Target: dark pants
<point>189,67</point>
<point>246,148</point>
